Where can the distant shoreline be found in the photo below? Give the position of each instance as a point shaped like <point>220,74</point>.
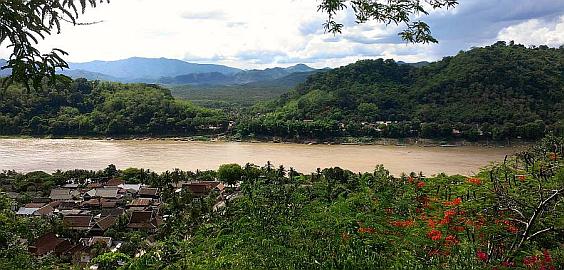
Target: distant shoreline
<point>333,141</point>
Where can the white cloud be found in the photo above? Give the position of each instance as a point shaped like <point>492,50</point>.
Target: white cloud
<point>536,32</point>
<point>267,33</point>
<point>247,34</point>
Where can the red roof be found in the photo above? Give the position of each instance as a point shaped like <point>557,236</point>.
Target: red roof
<point>142,220</point>
<point>141,202</point>
<point>45,210</point>
<point>94,185</point>
<point>106,222</point>
<point>150,192</point>
<point>115,182</point>
<point>46,244</point>
<point>202,188</point>
<point>34,205</point>
<point>111,212</point>
<point>77,222</point>
<point>100,202</point>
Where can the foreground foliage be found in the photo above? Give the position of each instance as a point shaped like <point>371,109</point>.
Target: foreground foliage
<point>510,216</point>
<point>335,219</point>
<point>24,24</point>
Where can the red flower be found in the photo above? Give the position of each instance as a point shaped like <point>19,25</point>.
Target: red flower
<point>451,240</point>
<point>420,184</point>
<point>512,229</point>
<point>435,235</point>
<point>410,179</point>
<point>482,256</point>
<point>508,264</point>
<point>431,223</point>
<point>547,257</point>
<point>402,224</point>
<point>521,178</point>
<point>454,202</point>
<point>448,216</point>
<point>530,261</point>
<point>365,230</point>
<point>475,181</point>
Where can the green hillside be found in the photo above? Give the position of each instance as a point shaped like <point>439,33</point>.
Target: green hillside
<point>102,108</point>
<point>500,91</point>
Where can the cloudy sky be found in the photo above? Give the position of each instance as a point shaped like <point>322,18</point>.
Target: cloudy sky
<point>267,33</point>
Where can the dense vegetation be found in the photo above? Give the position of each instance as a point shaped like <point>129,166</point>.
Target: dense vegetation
<point>336,219</point>
<point>242,77</point>
<point>230,97</point>
<point>100,108</point>
<point>510,216</point>
<point>240,96</point>
<point>500,91</point>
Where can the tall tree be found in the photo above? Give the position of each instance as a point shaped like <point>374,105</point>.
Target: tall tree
<point>387,12</point>
<point>24,22</point>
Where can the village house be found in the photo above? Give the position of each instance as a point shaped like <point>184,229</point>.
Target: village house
<point>47,244</point>
<point>115,182</point>
<point>70,186</point>
<point>35,209</point>
<point>95,185</point>
<point>63,194</point>
<point>144,220</point>
<point>104,223</point>
<point>78,223</point>
<point>131,188</point>
<point>146,192</point>
<point>203,188</point>
<point>92,208</point>
<point>111,212</point>
<point>64,205</point>
<point>97,203</point>
<point>140,204</point>
<point>105,192</point>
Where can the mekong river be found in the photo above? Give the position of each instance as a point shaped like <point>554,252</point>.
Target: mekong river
<point>27,155</point>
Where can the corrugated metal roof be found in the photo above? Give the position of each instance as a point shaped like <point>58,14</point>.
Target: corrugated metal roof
<point>134,187</point>
<point>26,211</point>
<point>60,194</point>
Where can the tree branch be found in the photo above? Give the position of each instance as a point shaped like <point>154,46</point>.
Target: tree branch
<point>539,232</point>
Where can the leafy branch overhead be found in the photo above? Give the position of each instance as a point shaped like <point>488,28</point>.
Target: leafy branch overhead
<point>24,23</point>
<point>388,12</point>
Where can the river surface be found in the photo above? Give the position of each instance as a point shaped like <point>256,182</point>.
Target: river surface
<point>26,155</point>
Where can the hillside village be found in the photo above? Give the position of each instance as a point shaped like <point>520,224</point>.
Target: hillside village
<point>89,211</point>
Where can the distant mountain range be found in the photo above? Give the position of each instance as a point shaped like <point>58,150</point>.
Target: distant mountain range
<point>149,68</point>
<point>171,71</point>
<point>177,72</point>
<point>242,77</point>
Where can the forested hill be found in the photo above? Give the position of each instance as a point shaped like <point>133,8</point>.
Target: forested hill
<point>495,92</point>
<point>268,76</point>
<point>103,108</point>
<point>135,68</point>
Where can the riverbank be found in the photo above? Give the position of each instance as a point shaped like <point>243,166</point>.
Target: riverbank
<point>305,141</point>
<point>166,154</point>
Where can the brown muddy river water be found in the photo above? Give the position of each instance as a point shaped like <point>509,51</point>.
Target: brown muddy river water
<point>51,154</point>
